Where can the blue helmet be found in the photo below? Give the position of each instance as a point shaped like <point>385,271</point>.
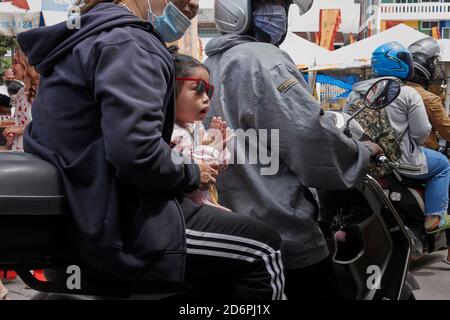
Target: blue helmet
<point>392,60</point>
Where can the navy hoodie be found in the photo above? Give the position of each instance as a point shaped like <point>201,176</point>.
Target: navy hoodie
<point>103,115</point>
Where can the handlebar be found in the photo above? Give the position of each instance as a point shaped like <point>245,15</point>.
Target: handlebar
<point>382,160</point>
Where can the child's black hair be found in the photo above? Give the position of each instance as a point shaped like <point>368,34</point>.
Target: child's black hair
<point>185,66</point>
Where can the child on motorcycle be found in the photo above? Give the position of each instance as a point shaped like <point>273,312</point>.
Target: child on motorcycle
<point>189,137</point>
<point>409,120</point>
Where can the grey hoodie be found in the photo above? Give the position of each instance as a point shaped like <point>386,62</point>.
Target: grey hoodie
<point>258,86</point>
<point>409,120</point>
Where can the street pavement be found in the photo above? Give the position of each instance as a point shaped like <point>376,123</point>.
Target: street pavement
<point>19,291</point>
<point>432,274</point>
<point>433,277</point>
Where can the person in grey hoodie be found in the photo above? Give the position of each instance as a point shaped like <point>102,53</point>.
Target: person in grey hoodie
<point>258,87</point>
<point>409,120</point>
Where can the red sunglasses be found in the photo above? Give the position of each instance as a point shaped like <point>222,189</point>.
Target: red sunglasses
<point>202,86</point>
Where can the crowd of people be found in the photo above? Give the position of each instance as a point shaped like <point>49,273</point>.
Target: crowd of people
<point>150,191</point>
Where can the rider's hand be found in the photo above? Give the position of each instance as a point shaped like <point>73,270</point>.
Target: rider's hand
<point>375,149</point>
<point>9,139</point>
<point>218,135</point>
<point>208,174</point>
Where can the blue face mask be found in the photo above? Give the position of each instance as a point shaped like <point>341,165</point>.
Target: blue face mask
<point>172,25</point>
<point>271,19</point>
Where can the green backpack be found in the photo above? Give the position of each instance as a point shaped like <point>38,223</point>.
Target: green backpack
<point>377,126</point>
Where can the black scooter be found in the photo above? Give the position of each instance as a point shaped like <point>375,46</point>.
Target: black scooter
<point>33,211</point>
<point>407,196</point>
<point>371,246</point>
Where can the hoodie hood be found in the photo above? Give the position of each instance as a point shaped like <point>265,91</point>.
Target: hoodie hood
<point>45,46</point>
<point>225,42</point>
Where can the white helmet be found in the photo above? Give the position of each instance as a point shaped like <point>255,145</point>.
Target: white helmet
<point>235,16</point>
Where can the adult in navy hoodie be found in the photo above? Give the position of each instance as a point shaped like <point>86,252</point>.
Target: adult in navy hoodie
<point>104,114</point>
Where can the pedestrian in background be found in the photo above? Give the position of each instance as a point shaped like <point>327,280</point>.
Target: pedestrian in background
<point>23,71</point>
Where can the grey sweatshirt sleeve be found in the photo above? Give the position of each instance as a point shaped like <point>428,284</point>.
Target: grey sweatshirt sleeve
<point>310,144</point>
<point>132,93</point>
<point>419,125</point>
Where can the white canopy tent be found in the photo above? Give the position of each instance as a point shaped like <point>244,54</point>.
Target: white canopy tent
<point>358,54</point>
<point>302,51</point>
<point>361,51</point>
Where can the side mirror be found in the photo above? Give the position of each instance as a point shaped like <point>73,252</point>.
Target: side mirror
<point>382,94</point>
<point>379,96</point>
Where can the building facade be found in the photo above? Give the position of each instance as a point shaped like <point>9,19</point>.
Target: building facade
<point>422,15</point>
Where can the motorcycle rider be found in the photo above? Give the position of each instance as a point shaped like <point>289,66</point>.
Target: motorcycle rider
<point>104,116</point>
<point>259,87</point>
<point>409,120</point>
<point>427,69</point>
<point>426,60</point>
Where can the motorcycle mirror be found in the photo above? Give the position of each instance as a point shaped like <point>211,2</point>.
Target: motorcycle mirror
<point>382,94</point>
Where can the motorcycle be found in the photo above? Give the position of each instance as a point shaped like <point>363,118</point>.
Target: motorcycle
<point>371,247</point>
<point>408,197</point>
<point>33,212</point>
<point>371,257</point>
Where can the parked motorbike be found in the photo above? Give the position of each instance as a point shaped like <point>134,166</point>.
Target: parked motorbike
<point>371,244</point>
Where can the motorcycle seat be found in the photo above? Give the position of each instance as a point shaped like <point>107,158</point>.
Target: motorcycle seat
<point>32,206</point>
<point>29,186</point>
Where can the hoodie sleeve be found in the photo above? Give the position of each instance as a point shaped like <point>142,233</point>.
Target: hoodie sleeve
<point>309,143</point>
<point>438,116</point>
<point>419,125</point>
<point>130,85</point>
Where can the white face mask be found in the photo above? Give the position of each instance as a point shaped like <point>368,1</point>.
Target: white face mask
<point>172,25</point>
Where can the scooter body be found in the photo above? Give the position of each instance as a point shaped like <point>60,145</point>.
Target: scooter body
<point>372,248</point>
<point>33,214</point>
<point>372,251</point>
<point>407,195</point>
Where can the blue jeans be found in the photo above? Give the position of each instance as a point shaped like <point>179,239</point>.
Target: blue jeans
<point>438,181</point>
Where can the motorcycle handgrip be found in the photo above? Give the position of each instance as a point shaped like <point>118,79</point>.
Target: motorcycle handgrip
<point>381,160</point>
